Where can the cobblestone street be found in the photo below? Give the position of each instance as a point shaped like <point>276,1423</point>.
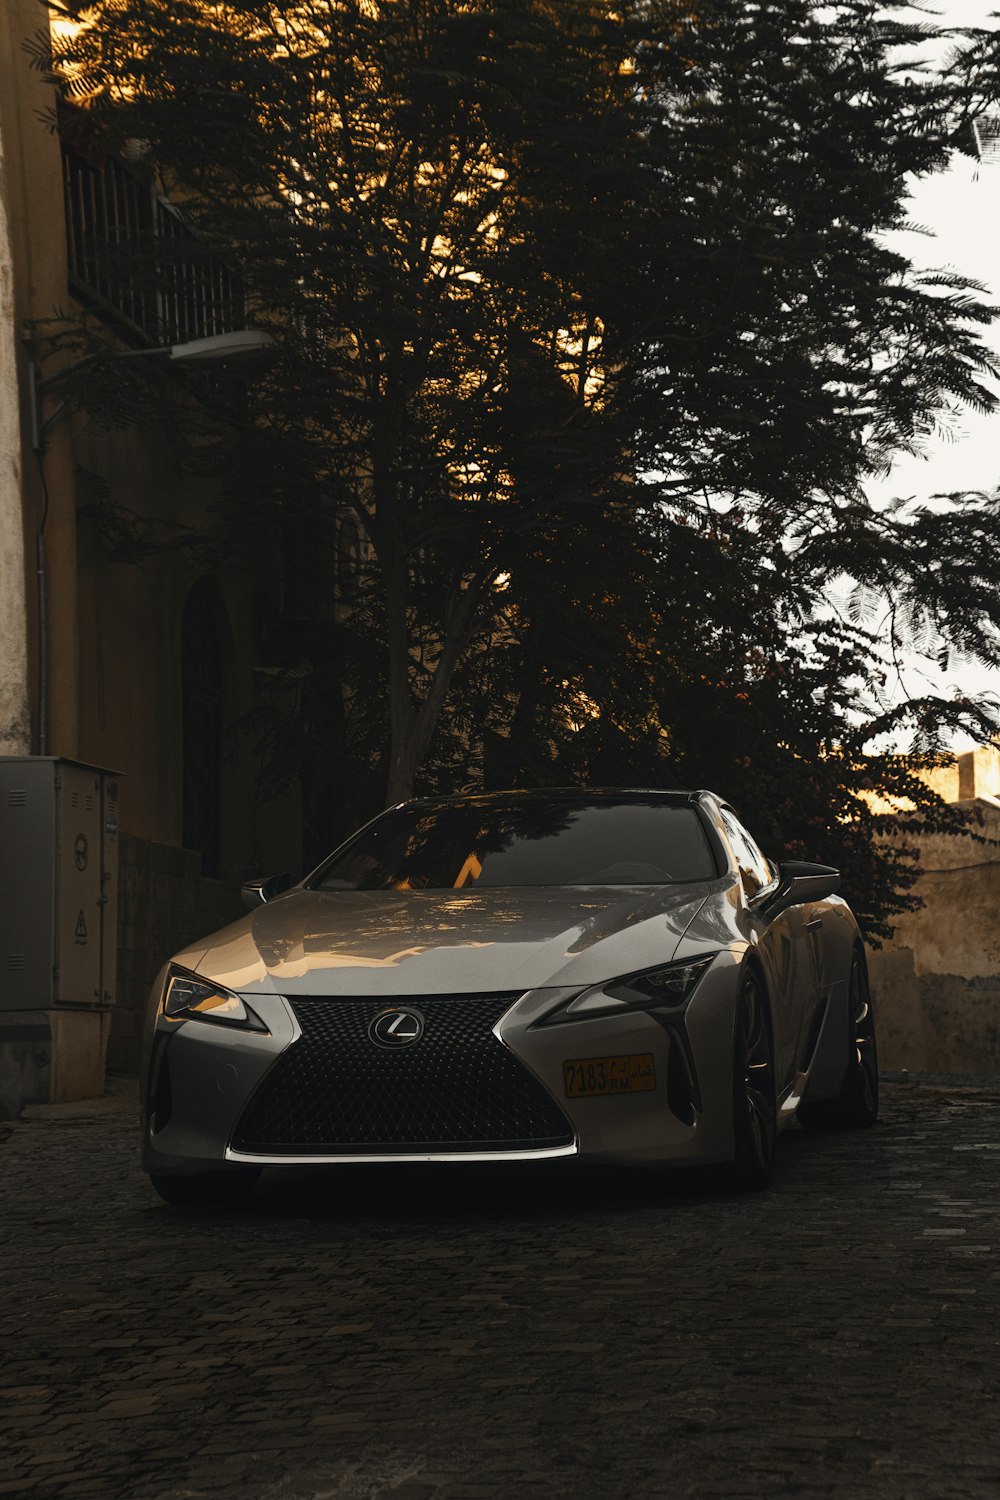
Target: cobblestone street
<point>430,1335</point>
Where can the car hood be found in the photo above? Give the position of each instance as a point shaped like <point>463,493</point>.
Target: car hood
<point>446,942</point>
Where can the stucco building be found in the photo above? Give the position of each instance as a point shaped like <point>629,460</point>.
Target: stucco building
<point>937,984</point>
<point>140,669</point>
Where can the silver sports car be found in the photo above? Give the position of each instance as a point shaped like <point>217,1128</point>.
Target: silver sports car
<point>610,976</point>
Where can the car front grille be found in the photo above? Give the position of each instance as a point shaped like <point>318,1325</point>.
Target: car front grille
<point>335,1091</point>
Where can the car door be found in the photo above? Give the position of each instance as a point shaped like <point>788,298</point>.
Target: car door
<point>787,946</point>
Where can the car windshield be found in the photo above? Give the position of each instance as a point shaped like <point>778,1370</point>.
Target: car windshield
<point>455,845</point>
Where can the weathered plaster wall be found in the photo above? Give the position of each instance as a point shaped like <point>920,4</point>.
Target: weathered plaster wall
<point>34,254</point>
<point>115,687</point>
<point>937,985</point>
<point>934,1023</point>
<point>130,639</point>
<point>25,1061</point>
<point>15,728</point>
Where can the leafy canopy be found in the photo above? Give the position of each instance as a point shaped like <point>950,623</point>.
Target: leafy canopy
<point>587,339</point>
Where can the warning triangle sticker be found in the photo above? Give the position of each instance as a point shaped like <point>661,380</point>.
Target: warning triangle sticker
<point>81,929</point>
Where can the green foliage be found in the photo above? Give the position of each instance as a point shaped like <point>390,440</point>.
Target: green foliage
<point>789,350</point>
<point>729,686</point>
<point>587,337</point>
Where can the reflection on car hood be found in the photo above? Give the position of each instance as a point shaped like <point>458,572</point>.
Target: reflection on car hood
<point>446,942</point>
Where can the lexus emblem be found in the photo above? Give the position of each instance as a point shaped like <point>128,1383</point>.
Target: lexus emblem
<point>396,1028</point>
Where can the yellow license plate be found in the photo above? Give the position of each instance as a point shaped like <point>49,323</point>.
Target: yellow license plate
<point>587,1077</point>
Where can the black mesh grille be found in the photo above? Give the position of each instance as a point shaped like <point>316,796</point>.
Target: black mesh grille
<point>456,1089</point>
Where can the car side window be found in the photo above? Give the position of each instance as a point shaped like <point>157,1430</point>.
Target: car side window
<point>756,871</point>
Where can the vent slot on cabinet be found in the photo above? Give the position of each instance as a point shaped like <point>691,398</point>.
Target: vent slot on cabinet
<point>15,960</point>
<point>17,797</point>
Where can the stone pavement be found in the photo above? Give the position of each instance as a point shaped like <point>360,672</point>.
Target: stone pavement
<point>456,1334</point>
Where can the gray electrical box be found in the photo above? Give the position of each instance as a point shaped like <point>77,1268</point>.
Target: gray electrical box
<point>59,914</point>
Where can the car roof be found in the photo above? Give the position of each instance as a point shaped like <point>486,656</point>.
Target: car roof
<point>553,794</point>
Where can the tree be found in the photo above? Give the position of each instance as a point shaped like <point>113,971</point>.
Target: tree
<point>402,184</point>
<point>558,282</point>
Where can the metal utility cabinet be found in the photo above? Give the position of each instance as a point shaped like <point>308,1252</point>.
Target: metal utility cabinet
<point>58,927</point>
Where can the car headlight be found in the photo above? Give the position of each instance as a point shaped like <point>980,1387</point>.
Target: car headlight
<point>668,986</point>
<point>187,997</point>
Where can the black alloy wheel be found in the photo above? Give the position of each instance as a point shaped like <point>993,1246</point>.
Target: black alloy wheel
<point>755,1114</point>
<point>207,1189</point>
<point>856,1106</point>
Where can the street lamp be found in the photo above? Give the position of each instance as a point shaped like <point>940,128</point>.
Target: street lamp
<point>217,346</point>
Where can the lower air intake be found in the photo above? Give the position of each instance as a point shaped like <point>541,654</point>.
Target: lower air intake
<point>457,1088</point>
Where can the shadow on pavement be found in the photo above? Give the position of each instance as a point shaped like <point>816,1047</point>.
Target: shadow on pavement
<point>402,1195</point>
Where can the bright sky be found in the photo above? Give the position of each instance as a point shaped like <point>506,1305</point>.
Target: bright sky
<point>962,207</point>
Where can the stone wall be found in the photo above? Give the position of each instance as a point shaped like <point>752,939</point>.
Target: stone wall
<point>936,986</point>
<point>933,1022</point>
<point>164,903</point>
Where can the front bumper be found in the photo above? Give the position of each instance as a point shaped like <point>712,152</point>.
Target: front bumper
<point>205,1081</point>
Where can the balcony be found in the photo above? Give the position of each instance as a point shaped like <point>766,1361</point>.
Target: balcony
<point>133,259</point>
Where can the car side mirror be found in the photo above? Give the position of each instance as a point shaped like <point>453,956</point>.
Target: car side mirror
<point>800,881</point>
<point>255,892</point>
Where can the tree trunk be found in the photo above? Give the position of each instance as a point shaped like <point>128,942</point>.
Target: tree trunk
<point>412,726</point>
<point>403,768</point>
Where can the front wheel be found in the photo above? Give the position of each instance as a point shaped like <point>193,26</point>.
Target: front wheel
<point>856,1106</point>
<point>207,1189</point>
<point>755,1115</point>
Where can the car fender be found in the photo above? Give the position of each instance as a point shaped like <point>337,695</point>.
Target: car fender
<point>839,938</point>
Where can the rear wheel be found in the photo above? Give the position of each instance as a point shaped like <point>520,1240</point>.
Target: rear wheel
<point>856,1106</point>
<point>755,1122</point>
<point>207,1189</point>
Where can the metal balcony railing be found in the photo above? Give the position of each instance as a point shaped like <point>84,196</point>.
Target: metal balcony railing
<point>132,257</point>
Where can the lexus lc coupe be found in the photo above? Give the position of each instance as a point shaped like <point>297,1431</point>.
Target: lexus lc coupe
<point>610,976</point>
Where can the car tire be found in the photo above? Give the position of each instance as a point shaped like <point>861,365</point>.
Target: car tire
<point>755,1114</point>
<point>207,1189</point>
<point>856,1106</point>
